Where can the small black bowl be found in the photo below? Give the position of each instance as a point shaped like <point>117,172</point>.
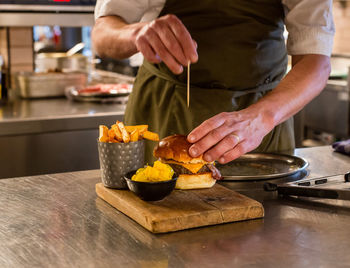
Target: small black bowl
<point>150,191</point>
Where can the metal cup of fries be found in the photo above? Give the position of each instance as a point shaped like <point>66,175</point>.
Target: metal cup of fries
<point>121,150</point>
<point>117,159</point>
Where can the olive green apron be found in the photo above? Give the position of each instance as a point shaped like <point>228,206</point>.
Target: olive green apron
<point>242,56</point>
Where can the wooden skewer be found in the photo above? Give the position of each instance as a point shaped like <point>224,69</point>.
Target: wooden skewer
<point>188,84</point>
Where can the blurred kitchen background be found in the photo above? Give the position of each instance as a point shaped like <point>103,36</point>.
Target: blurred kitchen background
<point>51,101</point>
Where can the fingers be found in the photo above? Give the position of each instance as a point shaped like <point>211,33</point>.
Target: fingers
<point>227,136</point>
<point>225,145</point>
<point>181,33</point>
<point>164,53</point>
<point>234,153</point>
<point>147,51</point>
<point>212,138</point>
<point>207,126</point>
<point>168,39</point>
<point>196,46</point>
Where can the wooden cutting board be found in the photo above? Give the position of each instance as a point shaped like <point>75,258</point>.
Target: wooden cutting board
<point>184,209</point>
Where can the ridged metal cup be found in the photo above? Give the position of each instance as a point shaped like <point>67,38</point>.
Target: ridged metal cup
<point>117,159</point>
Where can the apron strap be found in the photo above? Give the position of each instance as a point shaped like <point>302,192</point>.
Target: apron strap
<point>235,93</point>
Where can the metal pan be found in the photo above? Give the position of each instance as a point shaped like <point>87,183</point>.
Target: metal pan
<point>43,85</point>
<point>262,166</point>
<point>60,61</point>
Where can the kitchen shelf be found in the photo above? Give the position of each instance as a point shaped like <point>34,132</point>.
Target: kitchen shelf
<point>22,19</point>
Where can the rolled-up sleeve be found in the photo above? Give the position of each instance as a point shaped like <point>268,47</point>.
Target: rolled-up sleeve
<point>130,10</point>
<point>310,26</point>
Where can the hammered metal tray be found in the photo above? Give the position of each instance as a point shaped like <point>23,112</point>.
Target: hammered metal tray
<point>262,166</point>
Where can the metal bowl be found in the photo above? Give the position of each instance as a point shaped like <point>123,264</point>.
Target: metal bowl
<point>150,191</point>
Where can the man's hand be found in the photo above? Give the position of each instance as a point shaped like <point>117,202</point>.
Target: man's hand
<point>167,39</point>
<point>164,39</point>
<point>227,136</point>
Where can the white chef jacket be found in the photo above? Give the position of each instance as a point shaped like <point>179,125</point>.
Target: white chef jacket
<point>309,22</point>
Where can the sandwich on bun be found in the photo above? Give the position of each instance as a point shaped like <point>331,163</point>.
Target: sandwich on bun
<point>192,172</point>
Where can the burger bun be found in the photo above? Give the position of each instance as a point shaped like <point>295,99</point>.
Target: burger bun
<point>176,148</point>
<point>195,181</point>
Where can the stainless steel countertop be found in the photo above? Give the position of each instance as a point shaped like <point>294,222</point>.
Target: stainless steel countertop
<point>22,116</point>
<point>58,221</point>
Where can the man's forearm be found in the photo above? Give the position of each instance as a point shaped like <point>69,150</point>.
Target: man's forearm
<point>113,37</point>
<point>304,82</point>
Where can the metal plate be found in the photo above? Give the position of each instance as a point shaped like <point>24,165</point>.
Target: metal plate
<point>73,94</point>
<point>262,166</point>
